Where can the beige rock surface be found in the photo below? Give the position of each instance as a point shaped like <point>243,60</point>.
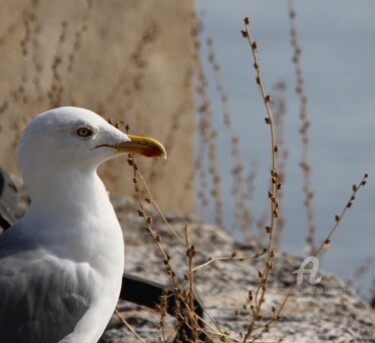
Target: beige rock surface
<point>128,60</point>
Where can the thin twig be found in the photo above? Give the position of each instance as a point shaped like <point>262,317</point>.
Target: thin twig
<point>130,328</point>
<point>150,199</point>
<point>272,194</point>
<point>221,258</point>
<point>338,218</point>
<point>304,130</point>
<point>327,240</point>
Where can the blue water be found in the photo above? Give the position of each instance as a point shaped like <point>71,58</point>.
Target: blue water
<point>338,40</point>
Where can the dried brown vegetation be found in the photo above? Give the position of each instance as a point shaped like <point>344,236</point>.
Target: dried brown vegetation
<point>304,131</point>
<point>33,95</point>
<point>185,292</point>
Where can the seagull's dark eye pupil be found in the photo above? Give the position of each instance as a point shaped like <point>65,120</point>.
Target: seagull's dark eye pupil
<point>84,132</point>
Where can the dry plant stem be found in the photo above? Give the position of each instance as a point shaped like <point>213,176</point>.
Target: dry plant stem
<point>36,60</point>
<point>130,328</point>
<point>326,241</point>
<point>152,201</point>
<point>12,27</point>
<point>78,36</point>
<point>170,138</point>
<point>359,272</point>
<point>215,259</point>
<point>207,136</point>
<point>125,83</point>
<point>190,253</point>
<point>186,316</point>
<point>202,179</point>
<point>262,287</point>
<point>338,218</point>
<point>304,130</point>
<point>189,315</point>
<point>19,95</point>
<point>200,171</point>
<point>279,112</point>
<point>148,220</point>
<point>239,192</point>
<point>156,237</point>
<point>56,90</point>
<point>163,313</point>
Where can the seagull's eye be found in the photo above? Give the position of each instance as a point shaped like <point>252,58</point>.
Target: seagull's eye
<point>84,132</point>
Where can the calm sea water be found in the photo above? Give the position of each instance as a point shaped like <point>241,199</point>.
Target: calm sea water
<point>338,40</point>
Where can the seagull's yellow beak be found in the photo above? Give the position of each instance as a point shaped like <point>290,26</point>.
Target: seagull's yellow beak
<point>145,146</point>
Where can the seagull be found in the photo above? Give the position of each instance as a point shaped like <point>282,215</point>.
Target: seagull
<point>61,265</point>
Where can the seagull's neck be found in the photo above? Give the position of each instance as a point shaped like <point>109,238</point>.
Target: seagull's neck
<point>70,213</point>
<point>70,197</point>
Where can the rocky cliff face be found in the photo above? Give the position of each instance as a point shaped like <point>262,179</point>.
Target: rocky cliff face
<point>326,312</point>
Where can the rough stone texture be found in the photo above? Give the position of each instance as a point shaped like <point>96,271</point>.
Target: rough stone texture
<point>332,314</point>
<point>129,60</point>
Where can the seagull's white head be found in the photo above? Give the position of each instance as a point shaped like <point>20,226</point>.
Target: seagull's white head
<point>71,138</point>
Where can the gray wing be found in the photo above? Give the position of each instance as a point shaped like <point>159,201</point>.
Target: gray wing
<point>40,301</point>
